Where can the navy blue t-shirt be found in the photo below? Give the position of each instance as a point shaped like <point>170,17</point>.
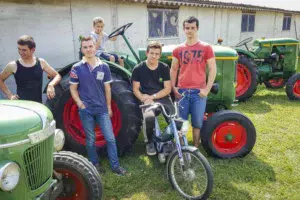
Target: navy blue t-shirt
<point>91,84</point>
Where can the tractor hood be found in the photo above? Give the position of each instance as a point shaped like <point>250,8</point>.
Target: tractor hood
<point>221,53</point>
<point>276,41</point>
<point>19,118</point>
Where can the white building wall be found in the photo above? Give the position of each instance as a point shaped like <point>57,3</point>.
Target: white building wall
<point>297,17</point>
<point>222,25</point>
<point>56,26</point>
<point>264,26</point>
<point>137,33</point>
<point>206,24</point>
<point>48,23</point>
<point>234,28</point>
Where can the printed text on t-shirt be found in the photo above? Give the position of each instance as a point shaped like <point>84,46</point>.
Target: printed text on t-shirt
<point>192,56</point>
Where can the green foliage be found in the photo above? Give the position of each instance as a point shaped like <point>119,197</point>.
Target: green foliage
<point>271,171</point>
<point>80,38</point>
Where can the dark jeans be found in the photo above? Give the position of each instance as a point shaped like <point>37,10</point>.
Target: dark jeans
<point>149,116</point>
<point>103,120</point>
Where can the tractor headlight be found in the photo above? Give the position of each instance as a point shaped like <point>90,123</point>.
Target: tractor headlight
<point>59,139</point>
<point>9,176</point>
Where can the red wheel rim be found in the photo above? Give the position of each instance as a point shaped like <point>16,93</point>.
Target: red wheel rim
<point>78,190</point>
<point>296,88</point>
<point>229,137</point>
<point>74,127</point>
<point>243,80</point>
<point>276,82</point>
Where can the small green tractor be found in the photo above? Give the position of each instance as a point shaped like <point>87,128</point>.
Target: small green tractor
<point>226,133</point>
<point>31,163</point>
<point>273,62</point>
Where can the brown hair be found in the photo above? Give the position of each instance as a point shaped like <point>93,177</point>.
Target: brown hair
<point>154,45</point>
<point>86,38</point>
<point>26,40</point>
<point>98,20</point>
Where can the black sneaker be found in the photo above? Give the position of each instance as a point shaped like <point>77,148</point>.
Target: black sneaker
<point>99,169</point>
<point>150,149</point>
<point>120,171</point>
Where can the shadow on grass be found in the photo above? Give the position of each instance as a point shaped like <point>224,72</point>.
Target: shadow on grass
<point>253,106</point>
<point>148,180</point>
<point>274,99</point>
<point>233,176</point>
<point>262,103</point>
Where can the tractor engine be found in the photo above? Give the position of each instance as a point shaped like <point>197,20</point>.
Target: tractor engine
<point>276,61</point>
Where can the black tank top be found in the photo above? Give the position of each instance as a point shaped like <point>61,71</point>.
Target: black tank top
<point>29,81</point>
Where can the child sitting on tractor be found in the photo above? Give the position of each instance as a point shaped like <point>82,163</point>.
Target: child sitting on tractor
<point>101,38</point>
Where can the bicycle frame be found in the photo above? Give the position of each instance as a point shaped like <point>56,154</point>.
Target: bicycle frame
<point>174,131</point>
<point>177,140</point>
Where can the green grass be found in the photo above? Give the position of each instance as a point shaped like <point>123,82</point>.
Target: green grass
<point>270,171</point>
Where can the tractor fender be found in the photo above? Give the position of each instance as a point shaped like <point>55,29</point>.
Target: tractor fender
<point>245,52</point>
<point>190,148</point>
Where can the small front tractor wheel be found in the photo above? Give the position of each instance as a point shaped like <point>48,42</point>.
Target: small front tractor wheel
<point>246,79</point>
<point>275,83</point>
<point>293,87</point>
<point>80,178</point>
<point>228,134</point>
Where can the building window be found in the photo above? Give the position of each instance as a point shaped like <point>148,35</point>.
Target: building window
<point>286,26</point>
<point>248,22</point>
<point>163,23</point>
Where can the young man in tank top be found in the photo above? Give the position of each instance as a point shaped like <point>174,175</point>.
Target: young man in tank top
<point>192,56</point>
<point>28,72</point>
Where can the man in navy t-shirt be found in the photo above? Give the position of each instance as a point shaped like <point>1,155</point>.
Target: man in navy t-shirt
<point>90,88</point>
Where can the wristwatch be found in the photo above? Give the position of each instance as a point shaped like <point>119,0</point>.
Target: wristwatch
<point>154,96</point>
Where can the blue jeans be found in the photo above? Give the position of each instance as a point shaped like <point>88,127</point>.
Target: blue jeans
<point>88,121</point>
<point>106,56</point>
<point>192,103</point>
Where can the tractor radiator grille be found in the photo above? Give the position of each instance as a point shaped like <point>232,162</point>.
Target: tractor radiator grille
<point>38,161</point>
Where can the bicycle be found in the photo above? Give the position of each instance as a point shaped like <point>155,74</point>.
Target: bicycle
<point>187,169</point>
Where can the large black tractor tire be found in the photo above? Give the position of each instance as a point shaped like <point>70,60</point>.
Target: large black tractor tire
<point>126,120</point>
<point>275,83</point>
<point>292,88</point>
<point>228,134</point>
<point>80,178</point>
<point>246,78</point>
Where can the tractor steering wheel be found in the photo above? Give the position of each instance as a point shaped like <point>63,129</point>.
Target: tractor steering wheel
<point>120,31</point>
<point>244,42</point>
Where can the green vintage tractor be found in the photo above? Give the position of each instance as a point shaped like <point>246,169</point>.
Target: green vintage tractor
<point>272,62</point>
<point>31,163</point>
<point>226,133</point>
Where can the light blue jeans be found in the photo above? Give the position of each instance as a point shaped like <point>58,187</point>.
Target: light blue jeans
<point>192,103</point>
<point>103,120</point>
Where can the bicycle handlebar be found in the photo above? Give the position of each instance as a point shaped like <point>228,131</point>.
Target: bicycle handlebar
<point>156,105</point>
<point>145,105</point>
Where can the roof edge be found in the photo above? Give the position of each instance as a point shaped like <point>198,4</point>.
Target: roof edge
<point>214,4</point>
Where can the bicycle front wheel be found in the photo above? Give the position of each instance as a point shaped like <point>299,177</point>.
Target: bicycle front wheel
<point>194,180</point>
